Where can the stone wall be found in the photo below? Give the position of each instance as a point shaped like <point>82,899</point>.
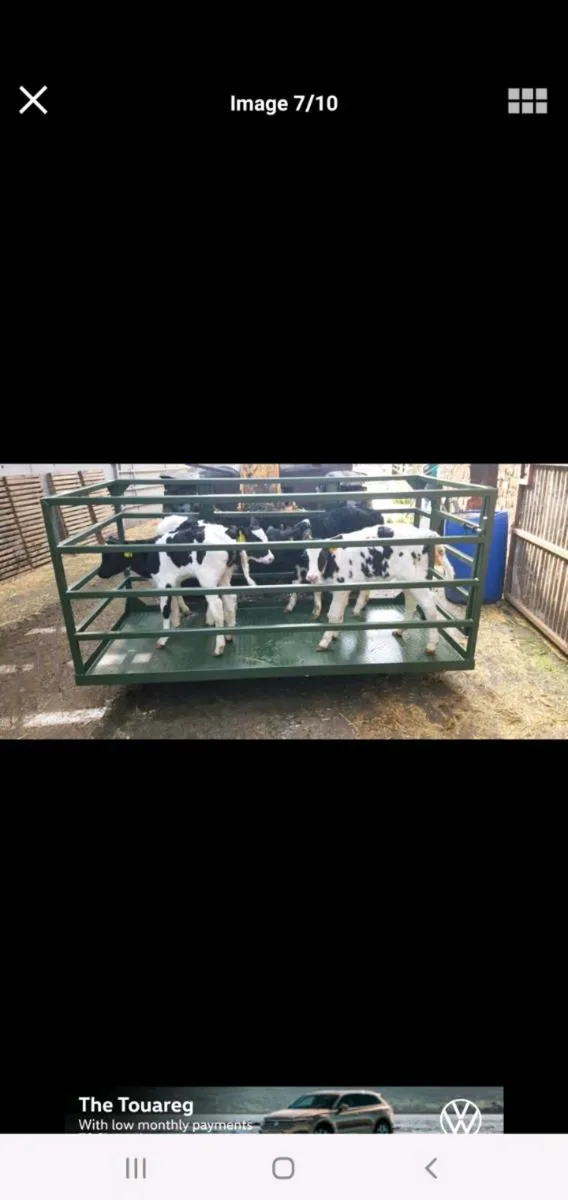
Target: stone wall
<point>507,483</point>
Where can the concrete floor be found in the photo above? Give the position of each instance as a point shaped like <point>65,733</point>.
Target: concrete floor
<point>518,690</point>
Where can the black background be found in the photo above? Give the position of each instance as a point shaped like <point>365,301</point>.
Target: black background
<point>427,90</point>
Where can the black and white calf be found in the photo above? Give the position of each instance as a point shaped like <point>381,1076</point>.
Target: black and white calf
<point>352,560</point>
<point>346,518</point>
<point>169,567</point>
<point>251,532</point>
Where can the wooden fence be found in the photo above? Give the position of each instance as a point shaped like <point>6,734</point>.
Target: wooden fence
<point>23,539</point>
<point>537,574</point>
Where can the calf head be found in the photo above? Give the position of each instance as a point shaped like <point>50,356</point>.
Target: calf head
<point>115,562</point>
<point>311,561</point>
<point>320,564</point>
<point>290,533</point>
<point>253,532</point>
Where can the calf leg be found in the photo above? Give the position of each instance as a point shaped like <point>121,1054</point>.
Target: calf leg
<point>245,568</point>
<point>166,609</point>
<point>292,602</point>
<point>425,599</point>
<point>229,604</point>
<point>362,602</point>
<point>183,607</point>
<point>215,617</point>
<point>335,615</point>
<point>409,612</point>
<point>230,614</point>
<point>316,610</point>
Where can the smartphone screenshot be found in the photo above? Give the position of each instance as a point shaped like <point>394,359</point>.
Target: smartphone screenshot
<point>228,225</point>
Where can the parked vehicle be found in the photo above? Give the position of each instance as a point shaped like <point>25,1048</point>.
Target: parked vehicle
<point>333,1112</point>
<point>202,479</point>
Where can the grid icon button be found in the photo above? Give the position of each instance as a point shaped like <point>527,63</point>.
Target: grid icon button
<point>522,100</point>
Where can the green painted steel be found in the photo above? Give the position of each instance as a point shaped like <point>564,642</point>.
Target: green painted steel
<point>268,643</point>
<point>264,651</point>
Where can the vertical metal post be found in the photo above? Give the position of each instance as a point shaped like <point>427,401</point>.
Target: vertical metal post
<point>417,501</point>
<point>50,518</point>
<point>122,535</point>
<point>480,565</point>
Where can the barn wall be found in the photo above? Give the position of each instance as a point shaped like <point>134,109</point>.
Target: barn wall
<point>507,483</point>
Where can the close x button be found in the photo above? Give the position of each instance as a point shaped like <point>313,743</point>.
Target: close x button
<point>33,101</point>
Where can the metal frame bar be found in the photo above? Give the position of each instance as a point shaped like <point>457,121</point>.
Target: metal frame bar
<point>73,498</point>
<point>302,627</point>
<point>471,587</point>
<point>460,488</point>
<point>140,547</point>
<point>238,589</point>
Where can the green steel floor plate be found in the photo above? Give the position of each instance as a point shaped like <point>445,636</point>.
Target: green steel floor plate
<point>268,654</point>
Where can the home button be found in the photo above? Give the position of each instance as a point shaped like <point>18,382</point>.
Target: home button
<point>283,1168</point>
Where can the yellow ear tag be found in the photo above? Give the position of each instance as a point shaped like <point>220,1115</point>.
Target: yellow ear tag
<point>241,537</point>
<point>128,554</point>
<point>332,549</point>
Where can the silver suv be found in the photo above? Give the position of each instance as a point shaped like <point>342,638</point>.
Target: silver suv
<point>333,1112</point>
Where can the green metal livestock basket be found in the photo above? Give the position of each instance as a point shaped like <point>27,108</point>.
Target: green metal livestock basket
<point>267,642</point>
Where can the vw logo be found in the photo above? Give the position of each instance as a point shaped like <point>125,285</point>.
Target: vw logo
<point>460,1116</point>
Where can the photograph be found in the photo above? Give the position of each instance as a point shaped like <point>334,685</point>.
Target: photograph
<point>284,601</point>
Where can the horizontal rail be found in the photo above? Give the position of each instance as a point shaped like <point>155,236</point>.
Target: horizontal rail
<point>75,587</point>
<point>445,633</point>
<point>462,521</point>
<point>221,516</point>
<point>390,585</point>
<point>71,498</point>
<point>76,538</point>
<point>294,627</point>
<point>282,515</point>
<point>448,615</point>
<point>551,547</point>
<point>473,488</point>
<point>100,608</point>
<point>466,558</point>
<point>81,491</point>
<point>315,543</point>
<point>240,480</point>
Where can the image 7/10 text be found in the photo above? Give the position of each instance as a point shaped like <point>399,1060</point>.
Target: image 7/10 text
<point>270,107</point>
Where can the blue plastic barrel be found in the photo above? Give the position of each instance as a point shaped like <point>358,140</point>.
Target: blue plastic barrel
<point>495,578</point>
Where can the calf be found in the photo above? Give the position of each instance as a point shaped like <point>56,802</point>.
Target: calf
<point>252,532</point>
<point>352,560</point>
<point>346,518</point>
<point>168,567</point>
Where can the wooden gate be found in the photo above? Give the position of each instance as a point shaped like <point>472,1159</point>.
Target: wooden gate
<point>537,574</point>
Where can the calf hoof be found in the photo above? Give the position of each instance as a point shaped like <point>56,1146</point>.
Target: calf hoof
<point>324,646</point>
<point>289,608</point>
<point>160,645</point>
<point>398,633</point>
<point>357,614</point>
<point>229,637</point>
<point>316,613</point>
<point>431,650</point>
